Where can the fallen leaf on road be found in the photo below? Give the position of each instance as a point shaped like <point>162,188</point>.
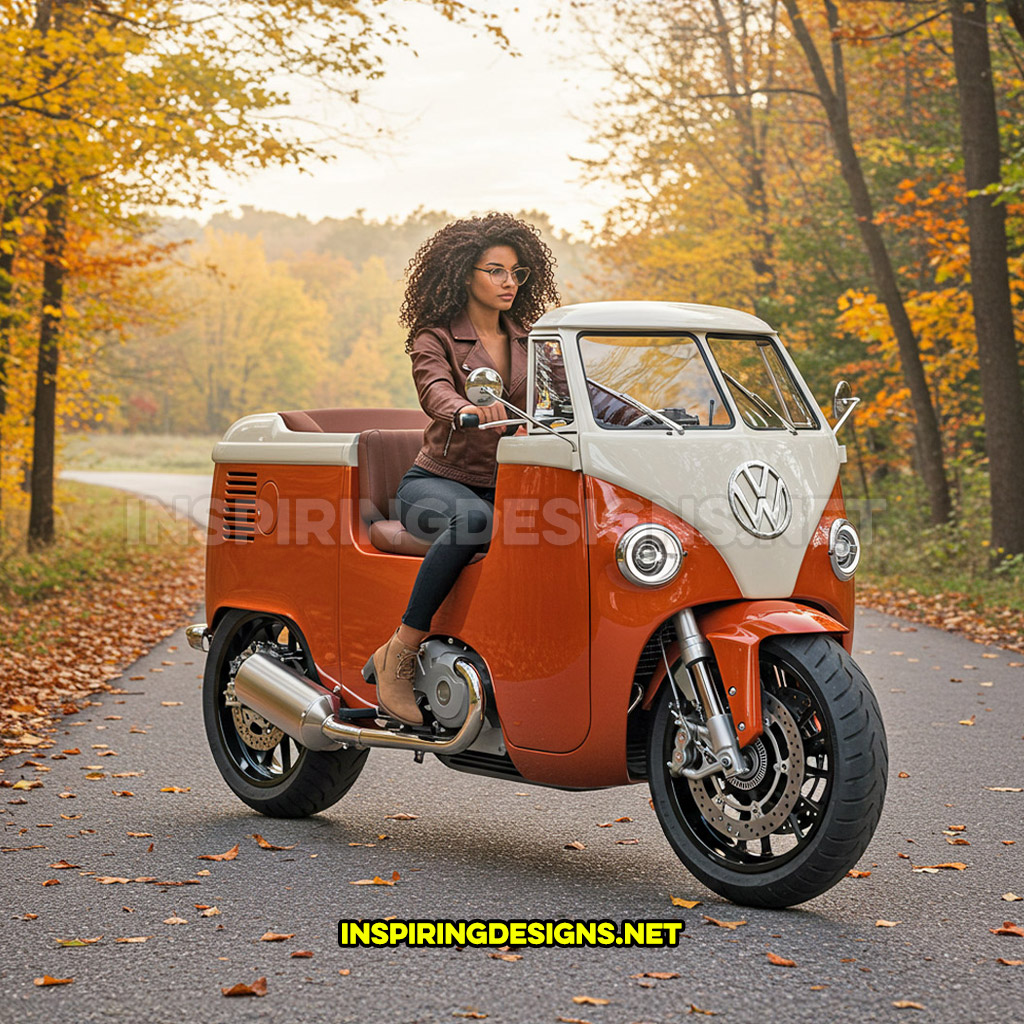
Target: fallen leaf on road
<point>51,881</point>
<point>227,855</point>
<point>401,817</point>
<point>173,789</point>
<point>606,824</point>
<point>780,961</point>
<point>134,938</point>
<point>932,868</point>
<point>276,936</point>
<point>507,957</point>
<point>589,1001</point>
<point>257,988</point>
<point>63,865</point>
<point>689,904</point>
<point>27,784</point>
<point>264,845</point>
<point>1011,897</point>
<point>111,879</point>
<point>344,971</point>
<point>1009,928</point>
<point>140,835</point>
<point>66,795</point>
<point>168,703</point>
<point>903,775</point>
<point>574,845</point>
<point>958,841</point>
<point>301,954</point>
<point>957,828</point>
<point>660,975</point>
<point>857,874</point>
<point>1005,789</point>
<point>882,923</point>
<point>906,1004</point>
<point>967,721</point>
<point>377,880</point>
<point>572,1020</point>
<point>122,792</point>
<point>627,842</point>
<point>77,942</point>
<point>175,920</point>
<point>47,980</point>
<point>1009,963</point>
<point>209,912</point>
<point>731,925</point>
<point>472,1015</point>
<point>696,1009</point>
<point>623,819</point>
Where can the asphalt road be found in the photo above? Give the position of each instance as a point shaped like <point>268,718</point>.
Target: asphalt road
<point>482,848</point>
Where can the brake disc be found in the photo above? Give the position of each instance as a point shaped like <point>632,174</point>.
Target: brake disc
<point>254,730</point>
<point>757,803</point>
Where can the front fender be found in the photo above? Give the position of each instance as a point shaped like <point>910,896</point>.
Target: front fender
<point>735,632</point>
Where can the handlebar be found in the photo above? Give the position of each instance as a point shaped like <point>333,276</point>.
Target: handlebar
<point>469,419</point>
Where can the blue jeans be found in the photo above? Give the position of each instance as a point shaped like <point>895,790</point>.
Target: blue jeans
<point>458,519</point>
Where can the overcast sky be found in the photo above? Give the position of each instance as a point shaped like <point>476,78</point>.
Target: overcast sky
<point>472,129</point>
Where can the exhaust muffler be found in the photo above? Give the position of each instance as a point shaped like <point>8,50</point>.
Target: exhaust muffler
<point>305,710</point>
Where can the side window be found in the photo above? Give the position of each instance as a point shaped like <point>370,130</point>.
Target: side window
<point>551,401</point>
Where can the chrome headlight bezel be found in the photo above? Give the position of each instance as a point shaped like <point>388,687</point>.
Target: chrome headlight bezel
<point>643,540</point>
<point>844,549</point>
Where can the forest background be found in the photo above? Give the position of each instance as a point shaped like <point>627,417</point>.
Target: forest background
<point>850,171</point>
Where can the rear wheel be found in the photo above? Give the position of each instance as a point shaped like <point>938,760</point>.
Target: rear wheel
<point>802,814</point>
<point>264,767</point>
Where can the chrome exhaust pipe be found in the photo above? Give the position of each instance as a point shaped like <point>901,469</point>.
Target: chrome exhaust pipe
<point>305,710</point>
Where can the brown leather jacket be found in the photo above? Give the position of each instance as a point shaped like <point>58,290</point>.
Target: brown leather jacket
<point>442,359</point>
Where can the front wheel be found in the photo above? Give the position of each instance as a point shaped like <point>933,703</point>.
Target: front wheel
<point>264,767</point>
<point>802,814</point>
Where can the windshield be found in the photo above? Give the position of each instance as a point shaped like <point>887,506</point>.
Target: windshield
<point>765,392</point>
<point>666,374</point>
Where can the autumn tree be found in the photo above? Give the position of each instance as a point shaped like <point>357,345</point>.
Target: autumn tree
<point>120,105</point>
<point>990,281</point>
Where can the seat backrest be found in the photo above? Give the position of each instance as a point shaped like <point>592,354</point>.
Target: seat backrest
<point>353,421</point>
<point>384,457</point>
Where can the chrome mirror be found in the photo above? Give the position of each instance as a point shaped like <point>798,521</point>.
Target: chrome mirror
<point>843,403</point>
<point>483,386</point>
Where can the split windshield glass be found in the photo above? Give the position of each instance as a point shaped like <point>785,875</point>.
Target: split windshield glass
<point>666,373</point>
<point>767,396</point>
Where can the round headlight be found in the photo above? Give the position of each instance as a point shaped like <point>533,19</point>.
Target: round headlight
<point>844,548</point>
<point>649,555</point>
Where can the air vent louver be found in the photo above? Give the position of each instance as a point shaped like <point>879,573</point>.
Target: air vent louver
<point>240,505</point>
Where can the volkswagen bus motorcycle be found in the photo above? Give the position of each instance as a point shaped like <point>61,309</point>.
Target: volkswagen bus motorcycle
<point>667,598</point>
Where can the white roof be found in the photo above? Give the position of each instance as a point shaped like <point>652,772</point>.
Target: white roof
<point>652,316</point>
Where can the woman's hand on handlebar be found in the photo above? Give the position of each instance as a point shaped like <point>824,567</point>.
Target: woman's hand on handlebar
<point>485,413</point>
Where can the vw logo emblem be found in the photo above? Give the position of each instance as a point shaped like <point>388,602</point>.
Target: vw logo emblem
<point>759,500</point>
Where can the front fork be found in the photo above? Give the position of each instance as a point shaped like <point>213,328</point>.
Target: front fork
<point>714,746</point>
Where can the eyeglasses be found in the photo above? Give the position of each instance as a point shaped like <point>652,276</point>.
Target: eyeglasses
<point>499,275</point>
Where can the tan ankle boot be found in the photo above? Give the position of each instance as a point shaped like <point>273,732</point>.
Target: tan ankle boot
<point>395,667</point>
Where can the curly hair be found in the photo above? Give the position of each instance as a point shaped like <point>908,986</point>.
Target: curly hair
<point>437,273</point>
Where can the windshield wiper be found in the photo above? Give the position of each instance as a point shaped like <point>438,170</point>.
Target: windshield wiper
<point>760,402</point>
<point>637,404</point>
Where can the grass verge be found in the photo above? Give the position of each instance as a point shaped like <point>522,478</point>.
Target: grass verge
<point>139,453</point>
<point>73,616</point>
<point>941,575</point>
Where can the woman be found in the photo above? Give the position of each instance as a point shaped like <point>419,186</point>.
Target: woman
<point>474,288</point>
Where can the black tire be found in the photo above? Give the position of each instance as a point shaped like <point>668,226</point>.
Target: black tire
<point>283,780</point>
<point>841,789</point>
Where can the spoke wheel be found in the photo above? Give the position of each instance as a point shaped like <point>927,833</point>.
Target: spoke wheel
<point>263,766</point>
<point>775,835</point>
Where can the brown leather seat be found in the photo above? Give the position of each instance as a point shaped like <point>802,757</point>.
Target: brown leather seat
<point>353,421</point>
<point>384,457</point>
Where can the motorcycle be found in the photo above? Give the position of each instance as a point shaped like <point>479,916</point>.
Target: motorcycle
<point>667,597</point>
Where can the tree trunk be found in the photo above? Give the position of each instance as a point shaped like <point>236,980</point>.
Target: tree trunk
<point>6,320</point>
<point>40,518</point>
<point>990,280</point>
<point>833,99</point>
